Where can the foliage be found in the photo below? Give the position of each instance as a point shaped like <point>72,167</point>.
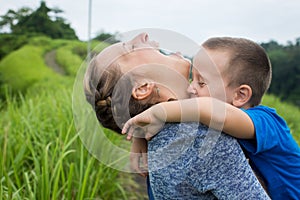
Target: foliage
<point>289,112</point>
<point>11,18</point>
<point>73,55</point>
<point>81,48</point>
<point>286,70</point>
<point>107,37</point>
<point>24,67</point>
<point>27,22</point>
<point>10,42</point>
<point>67,59</point>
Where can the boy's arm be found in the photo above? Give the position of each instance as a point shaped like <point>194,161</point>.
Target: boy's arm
<point>212,112</point>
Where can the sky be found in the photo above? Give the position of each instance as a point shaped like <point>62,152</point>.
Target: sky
<point>258,20</point>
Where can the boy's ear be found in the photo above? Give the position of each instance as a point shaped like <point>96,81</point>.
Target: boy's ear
<point>242,96</point>
<point>141,92</point>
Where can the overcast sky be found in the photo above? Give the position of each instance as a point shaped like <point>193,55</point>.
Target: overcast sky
<point>259,20</point>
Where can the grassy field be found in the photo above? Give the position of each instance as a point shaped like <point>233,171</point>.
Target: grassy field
<point>289,112</point>
<point>42,155</point>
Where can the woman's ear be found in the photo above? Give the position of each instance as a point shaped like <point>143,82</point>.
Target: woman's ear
<point>141,92</point>
<point>242,96</point>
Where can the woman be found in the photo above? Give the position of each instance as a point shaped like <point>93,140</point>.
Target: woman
<point>186,160</point>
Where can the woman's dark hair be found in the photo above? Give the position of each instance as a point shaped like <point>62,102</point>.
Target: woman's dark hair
<point>108,91</point>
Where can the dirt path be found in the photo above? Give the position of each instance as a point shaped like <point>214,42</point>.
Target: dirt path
<point>50,60</point>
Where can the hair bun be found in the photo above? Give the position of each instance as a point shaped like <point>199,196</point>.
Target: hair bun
<point>104,102</point>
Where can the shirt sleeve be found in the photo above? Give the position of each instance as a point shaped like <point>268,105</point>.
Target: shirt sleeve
<point>265,126</point>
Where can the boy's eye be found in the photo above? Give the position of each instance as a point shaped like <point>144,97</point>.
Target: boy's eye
<point>201,84</point>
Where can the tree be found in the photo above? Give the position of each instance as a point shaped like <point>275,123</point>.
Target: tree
<point>25,21</point>
<point>298,42</point>
<point>286,69</point>
<point>107,37</point>
<point>11,18</point>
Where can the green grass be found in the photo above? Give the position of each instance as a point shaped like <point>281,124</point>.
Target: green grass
<point>71,56</point>
<point>24,67</point>
<point>289,112</point>
<point>68,59</point>
<point>42,156</point>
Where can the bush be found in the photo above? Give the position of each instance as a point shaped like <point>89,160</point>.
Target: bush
<point>10,42</point>
<point>72,56</point>
<point>289,112</point>
<point>24,67</point>
<point>68,60</point>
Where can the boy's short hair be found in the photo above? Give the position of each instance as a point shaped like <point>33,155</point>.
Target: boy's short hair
<point>248,64</point>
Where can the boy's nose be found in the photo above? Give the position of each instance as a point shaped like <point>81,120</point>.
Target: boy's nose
<point>191,90</point>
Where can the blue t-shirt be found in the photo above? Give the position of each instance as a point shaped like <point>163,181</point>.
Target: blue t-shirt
<point>274,153</point>
<point>189,161</point>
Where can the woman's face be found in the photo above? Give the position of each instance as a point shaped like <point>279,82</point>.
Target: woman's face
<point>142,57</point>
<point>143,51</point>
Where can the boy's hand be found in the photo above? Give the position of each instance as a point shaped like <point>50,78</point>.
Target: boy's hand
<point>147,123</point>
<point>138,156</point>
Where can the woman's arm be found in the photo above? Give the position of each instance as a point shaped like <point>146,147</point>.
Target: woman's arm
<point>138,152</point>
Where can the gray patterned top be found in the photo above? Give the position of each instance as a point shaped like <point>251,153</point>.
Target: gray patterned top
<point>190,161</point>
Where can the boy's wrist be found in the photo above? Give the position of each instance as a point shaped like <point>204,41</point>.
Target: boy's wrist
<point>159,113</point>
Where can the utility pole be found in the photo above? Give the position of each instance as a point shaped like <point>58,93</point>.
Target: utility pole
<point>89,31</point>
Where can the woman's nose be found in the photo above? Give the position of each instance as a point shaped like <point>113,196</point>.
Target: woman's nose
<point>142,37</point>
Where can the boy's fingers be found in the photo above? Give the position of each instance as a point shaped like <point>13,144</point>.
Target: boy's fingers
<point>126,127</point>
<point>130,133</point>
<point>131,123</point>
<point>135,131</point>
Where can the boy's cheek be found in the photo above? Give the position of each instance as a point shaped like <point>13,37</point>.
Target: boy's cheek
<point>203,92</point>
<point>193,96</point>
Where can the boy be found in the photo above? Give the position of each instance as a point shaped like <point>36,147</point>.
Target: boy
<point>230,77</point>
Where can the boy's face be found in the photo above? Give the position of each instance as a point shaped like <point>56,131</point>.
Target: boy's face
<point>208,75</point>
